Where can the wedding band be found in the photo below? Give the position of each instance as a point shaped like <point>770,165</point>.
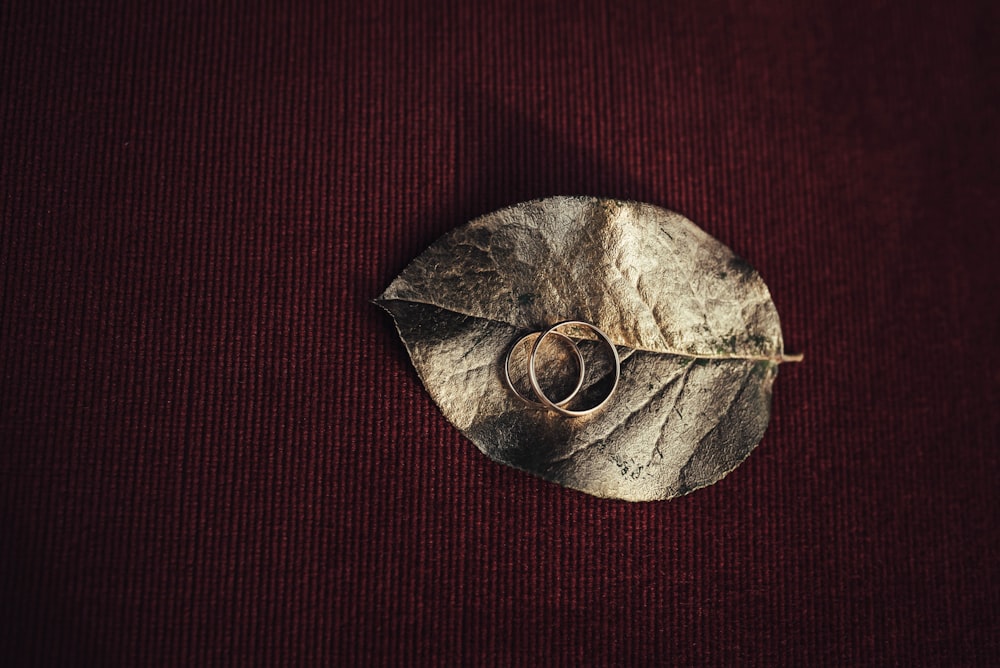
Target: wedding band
<point>531,402</point>
<point>533,376</point>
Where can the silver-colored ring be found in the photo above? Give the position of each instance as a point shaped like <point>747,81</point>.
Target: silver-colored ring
<point>533,377</point>
<point>538,404</point>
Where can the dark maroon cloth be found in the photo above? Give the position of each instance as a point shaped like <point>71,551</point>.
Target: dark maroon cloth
<point>214,447</point>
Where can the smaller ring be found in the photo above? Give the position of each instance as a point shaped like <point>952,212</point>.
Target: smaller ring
<point>533,377</point>
<point>539,404</point>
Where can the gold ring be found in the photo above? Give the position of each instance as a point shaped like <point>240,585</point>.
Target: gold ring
<point>533,376</point>
<point>531,402</point>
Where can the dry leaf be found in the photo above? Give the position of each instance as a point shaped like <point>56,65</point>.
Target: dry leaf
<point>695,326</point>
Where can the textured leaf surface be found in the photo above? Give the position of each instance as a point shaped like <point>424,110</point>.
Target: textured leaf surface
<point>698,333</point>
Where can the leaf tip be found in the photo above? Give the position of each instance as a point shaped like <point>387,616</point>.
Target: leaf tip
<point>382,303</point>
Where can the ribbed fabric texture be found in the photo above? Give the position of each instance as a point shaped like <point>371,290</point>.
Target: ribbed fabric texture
<point>214,449</point>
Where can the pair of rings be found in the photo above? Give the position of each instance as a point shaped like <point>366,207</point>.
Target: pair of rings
<point>543,400</point>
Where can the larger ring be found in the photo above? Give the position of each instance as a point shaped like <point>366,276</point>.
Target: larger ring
<point>532,402</point>
<point>533,376</point>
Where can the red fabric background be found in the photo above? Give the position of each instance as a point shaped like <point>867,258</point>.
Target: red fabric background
<point>215,449</point>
